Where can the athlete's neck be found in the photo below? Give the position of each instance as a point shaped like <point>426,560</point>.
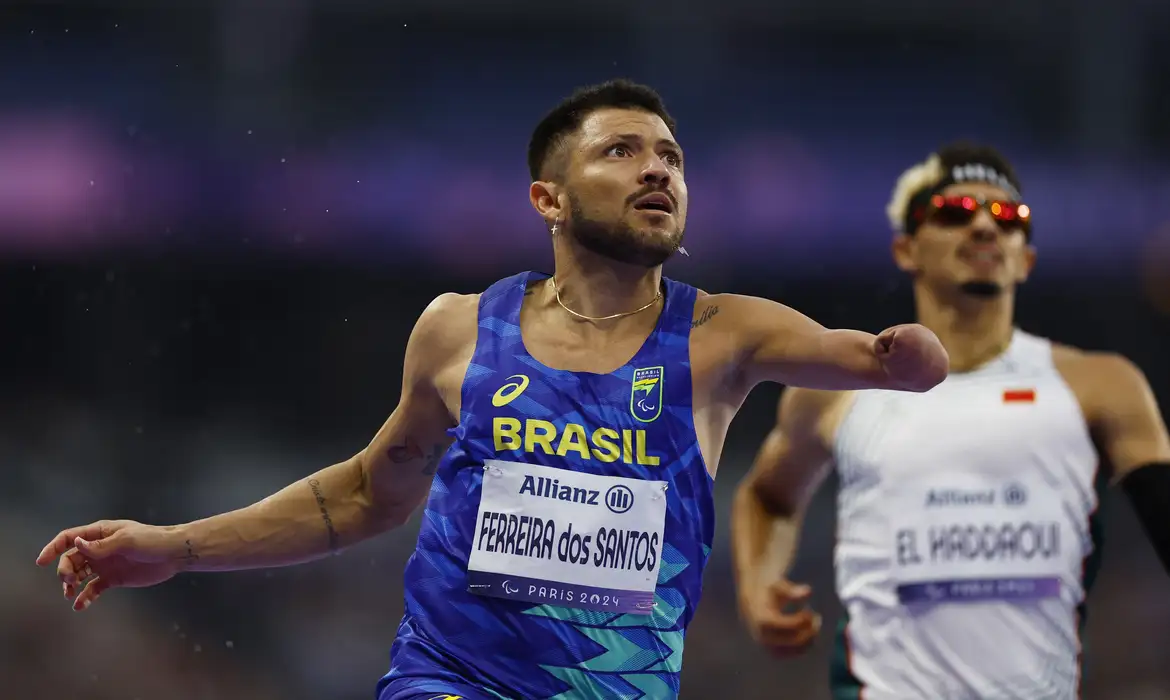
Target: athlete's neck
<point>596,286</point>
<point>974,330</point>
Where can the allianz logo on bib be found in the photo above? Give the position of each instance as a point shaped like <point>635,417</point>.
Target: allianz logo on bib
<point>618,498</point>
<point>940,498</point>
<point>1013,495</point>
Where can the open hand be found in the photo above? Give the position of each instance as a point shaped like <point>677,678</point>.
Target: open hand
<point>112,554</point>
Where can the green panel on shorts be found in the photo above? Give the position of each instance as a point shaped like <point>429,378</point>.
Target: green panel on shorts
<point>842,683</point>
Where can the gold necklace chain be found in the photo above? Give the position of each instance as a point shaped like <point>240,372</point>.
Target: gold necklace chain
<point>557,292</point>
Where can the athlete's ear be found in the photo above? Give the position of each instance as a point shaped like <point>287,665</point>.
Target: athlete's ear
<point>903,250</point>
<point>547,200</point>
<point>1029,263</point>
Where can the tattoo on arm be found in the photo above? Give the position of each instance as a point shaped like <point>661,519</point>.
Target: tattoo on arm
<point>432,462</point>
<point>708,313</point>
<point>190,557</point>
<point>320,497</point>
<point>410,451</point>
<point>406,452</point>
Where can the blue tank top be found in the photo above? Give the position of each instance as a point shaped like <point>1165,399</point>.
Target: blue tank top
<point>629,428</point>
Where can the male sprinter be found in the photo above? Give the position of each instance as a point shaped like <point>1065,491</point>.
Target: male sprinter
<point>966,528</point>
<point>568,523</point>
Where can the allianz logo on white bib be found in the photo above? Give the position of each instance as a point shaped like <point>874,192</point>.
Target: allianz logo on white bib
<point>1013,495</point>
<point>618,498</point>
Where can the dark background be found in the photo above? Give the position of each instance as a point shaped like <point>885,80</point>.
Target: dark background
<point>218,222</point>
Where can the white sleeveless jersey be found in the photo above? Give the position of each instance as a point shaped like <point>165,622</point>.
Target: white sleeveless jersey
<point>965,533</point>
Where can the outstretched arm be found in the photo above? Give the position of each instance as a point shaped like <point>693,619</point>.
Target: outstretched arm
<point>781,345</point>
<point>373,491</point>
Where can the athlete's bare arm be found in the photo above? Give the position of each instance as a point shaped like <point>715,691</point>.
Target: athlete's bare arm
<point>1129,430</point>
<point>775,343</point>
<point>767,514</point>
<point>373,491</point>
<point>1130,426</point>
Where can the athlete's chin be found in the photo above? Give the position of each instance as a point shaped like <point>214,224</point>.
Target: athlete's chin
<point>654,236</point>
<point>982,287</point>
<point>667,231</point>
<point>657,225</point>
<point>663,246</point>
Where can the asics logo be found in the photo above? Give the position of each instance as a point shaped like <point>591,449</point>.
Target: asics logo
<point>508,393</point>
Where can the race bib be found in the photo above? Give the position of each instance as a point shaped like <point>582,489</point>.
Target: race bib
<point>972,538</point>
<point>555,536</point>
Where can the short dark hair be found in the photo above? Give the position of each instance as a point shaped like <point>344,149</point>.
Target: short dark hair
<point>964,152</point>
<point>567,116</point>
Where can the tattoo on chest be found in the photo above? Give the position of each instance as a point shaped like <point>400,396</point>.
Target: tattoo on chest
<point>708,313</point>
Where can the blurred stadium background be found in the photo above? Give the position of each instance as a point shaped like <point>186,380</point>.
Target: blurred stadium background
<point>218,221</point>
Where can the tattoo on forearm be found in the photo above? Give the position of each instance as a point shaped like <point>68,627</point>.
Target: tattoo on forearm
<point>320,497</point>
<point>190,557</point>
<point>708,313</point>
<point>410,451</point>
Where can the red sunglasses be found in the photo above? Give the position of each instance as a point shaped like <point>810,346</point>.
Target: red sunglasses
<point>959,210</point>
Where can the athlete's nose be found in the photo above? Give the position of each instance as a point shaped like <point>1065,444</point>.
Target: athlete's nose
<point>983,227</point>
<point>655,172</point>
